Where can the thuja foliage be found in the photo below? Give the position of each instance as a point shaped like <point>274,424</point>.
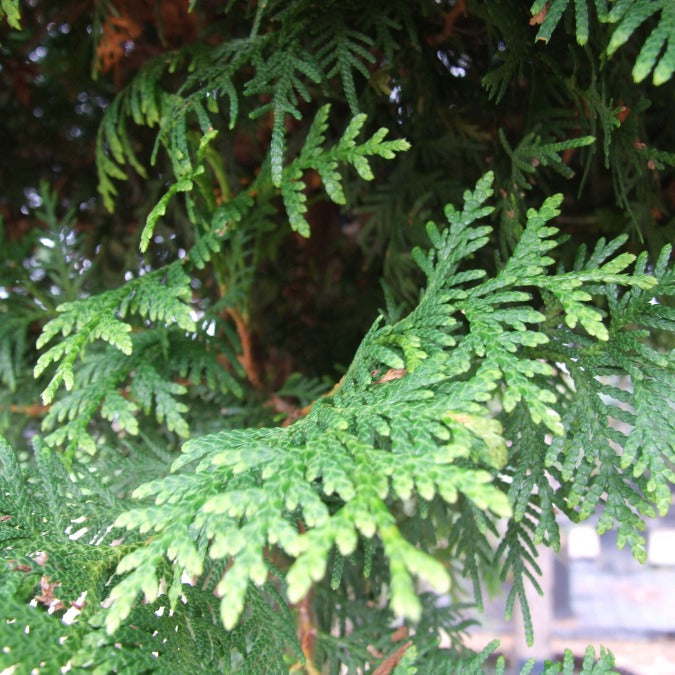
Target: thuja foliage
<point>227,447</point>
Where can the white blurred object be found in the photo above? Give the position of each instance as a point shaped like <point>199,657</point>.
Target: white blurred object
<point>583,542</point>
<point>661,546</point>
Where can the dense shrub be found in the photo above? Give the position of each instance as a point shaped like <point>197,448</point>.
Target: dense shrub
<point>372,293</point>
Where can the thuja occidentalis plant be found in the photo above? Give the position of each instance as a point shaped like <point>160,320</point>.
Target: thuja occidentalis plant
<point>374,294</point>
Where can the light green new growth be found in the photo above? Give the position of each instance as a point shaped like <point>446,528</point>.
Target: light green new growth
<point>10,10</point>
<point>408,422</point>
<point>162,296</point>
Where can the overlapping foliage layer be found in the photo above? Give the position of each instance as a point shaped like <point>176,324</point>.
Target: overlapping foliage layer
<point>162,517</point>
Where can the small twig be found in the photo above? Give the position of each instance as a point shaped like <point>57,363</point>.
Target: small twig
<point>388,665</point>
<point>33,410</point>
<point>449,19</point>
<point>246,358</point>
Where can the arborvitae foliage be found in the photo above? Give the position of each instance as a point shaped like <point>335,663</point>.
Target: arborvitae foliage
<point>228,447</point>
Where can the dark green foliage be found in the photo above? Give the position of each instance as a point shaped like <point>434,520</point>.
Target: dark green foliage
<point>628,15</point>
<point>261,460</point>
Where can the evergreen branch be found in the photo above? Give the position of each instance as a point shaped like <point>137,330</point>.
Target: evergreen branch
<point>162,295</point>
<point>603,419</point>
<point>511,53</point>
<point>553,11</point>
<point>658,50</point>
<point>398,436</point>
<point>629,17</point>
<point>280,76</point>
<point>162,363</point>
<point>346,51</point>
<point>325,162</point>
<point>532,152</point>
<point>148,104</point>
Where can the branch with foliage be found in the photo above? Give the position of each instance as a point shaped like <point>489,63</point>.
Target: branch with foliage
<point>291,393</point>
